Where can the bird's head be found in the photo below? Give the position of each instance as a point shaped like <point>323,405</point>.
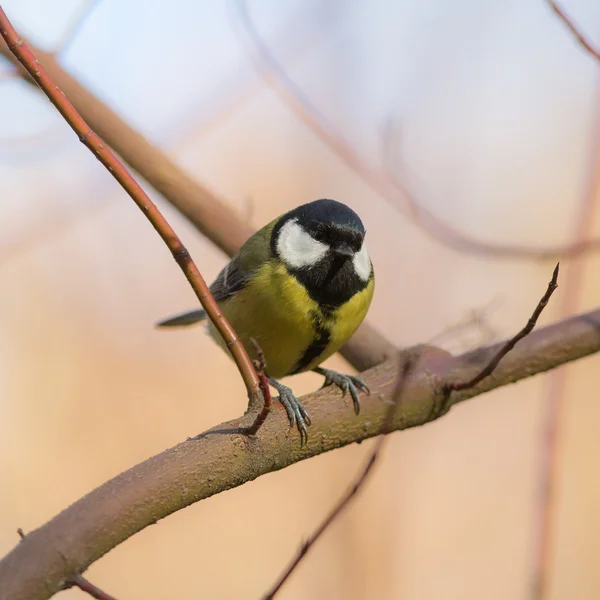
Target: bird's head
<point>322,244</point>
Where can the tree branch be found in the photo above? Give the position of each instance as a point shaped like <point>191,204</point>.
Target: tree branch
<point>220,459</point>
<point>209,213</point>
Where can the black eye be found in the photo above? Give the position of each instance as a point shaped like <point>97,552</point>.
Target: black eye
<point>357,243</point>
<point>319,235</point>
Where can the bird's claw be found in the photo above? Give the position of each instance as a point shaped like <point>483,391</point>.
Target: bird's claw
<point>346,383</point>
<point>296,412</point>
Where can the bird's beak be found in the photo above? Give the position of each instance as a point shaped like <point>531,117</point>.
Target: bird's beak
<point>343,250</point>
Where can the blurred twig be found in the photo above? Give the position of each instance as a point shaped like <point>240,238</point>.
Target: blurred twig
<point>406,367</point>
<point>92,141</point>
<point>476,318</point>
<point>544,534</point>
<point>78,20</point>
<point>383,180</point>
<point>562,15</point>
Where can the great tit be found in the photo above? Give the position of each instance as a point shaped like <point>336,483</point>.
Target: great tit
<point>300,287</point>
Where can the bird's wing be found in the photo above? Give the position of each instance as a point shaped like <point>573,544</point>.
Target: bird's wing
<point>250,258</point>
<point>232,278</point>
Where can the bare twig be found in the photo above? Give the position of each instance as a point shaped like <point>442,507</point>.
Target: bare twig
<point>92,141</point>
<point>406,367</point>
<point>80,581</point>
<point>574,29</point>
<point>260,365</point>
<point>457,386</point>
<point>382,180</point>
<point>87,586</point>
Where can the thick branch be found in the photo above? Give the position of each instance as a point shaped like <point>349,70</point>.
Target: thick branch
<point>219,459</point>
<point>208,212</point>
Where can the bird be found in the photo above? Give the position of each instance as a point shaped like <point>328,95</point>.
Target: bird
<point>299,287</point>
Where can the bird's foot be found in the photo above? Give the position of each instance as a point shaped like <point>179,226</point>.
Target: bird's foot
<point>296,413</point>
<point>346,383</point>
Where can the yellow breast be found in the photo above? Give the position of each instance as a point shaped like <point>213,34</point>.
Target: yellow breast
<point>276,310</point>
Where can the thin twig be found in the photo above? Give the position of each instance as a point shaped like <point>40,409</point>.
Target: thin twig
<point>344,501</point>
<point>74,28</point>
<point>457,386</point>
<point>87,586</point>
<point>574,30</point>
<point>382,180</point>
<point>92,141</point>
<point>80,581</point>
<point>260,365</point>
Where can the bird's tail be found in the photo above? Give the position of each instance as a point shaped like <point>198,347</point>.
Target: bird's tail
<point>184,319</point>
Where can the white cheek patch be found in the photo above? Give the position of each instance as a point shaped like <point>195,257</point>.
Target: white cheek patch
<point>297,248</point>
<point>362,263</point>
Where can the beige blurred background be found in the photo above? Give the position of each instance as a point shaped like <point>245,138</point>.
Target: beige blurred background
<point>490,114</point>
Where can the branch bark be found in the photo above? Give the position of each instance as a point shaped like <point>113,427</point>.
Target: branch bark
<point>209,213</point>
<point>220,458</point>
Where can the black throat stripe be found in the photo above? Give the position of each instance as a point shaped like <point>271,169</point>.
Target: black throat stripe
<point>316,347</point>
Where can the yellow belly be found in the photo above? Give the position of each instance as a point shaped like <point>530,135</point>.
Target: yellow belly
<point>275,310</point>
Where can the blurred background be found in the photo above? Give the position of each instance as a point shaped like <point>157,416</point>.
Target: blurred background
<point>485,113</point>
